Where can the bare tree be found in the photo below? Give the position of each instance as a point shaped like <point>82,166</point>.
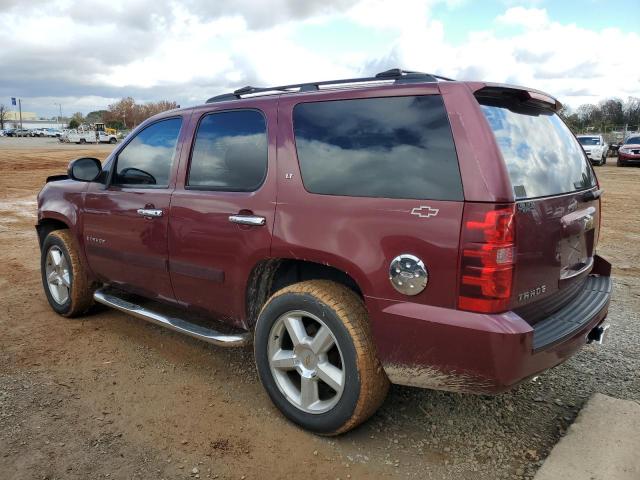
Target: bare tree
<point>128,113</point>
<point>3,116</point>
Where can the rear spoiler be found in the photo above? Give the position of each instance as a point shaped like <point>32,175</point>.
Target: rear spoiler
<point>55,178</point>
<point>528,96</point>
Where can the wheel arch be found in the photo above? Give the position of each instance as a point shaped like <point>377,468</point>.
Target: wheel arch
<point>273,274</point>
<point>47,225</point>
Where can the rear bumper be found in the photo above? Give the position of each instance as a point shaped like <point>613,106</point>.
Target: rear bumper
<point>444,349</point>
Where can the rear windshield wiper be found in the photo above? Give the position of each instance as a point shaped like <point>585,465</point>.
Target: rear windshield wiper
<point>591,195</point>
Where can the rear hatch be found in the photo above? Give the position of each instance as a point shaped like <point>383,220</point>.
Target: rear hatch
<point>557,214</point>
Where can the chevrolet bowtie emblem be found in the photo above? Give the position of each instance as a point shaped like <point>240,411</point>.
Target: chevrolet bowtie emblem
<point>425,211</point>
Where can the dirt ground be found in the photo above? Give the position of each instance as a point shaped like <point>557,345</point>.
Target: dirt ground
<point>110,396</point>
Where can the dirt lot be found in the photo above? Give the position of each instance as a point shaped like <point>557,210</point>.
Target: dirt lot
<point>109,396</point>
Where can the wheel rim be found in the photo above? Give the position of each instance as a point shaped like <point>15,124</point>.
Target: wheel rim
<point>306,362</point>
<point>58,275</point>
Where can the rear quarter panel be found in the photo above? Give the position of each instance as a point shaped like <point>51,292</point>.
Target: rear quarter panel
<point>361,235</point>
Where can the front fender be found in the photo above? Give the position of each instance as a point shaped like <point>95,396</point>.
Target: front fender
<point>62,201</point>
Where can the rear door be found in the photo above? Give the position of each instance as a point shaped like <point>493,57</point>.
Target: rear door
<point>557,205</point>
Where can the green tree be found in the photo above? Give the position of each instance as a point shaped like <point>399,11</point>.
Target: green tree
<point>95,116</point>
<point>77,119</point>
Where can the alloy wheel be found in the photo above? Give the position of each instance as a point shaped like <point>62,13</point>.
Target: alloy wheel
<point>58,275</point>
<point>306,362</point>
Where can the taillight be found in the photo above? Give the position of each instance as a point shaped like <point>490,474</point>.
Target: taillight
<point>487,257</point>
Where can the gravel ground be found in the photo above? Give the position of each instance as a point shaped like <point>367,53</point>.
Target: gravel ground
<point>110,396</point>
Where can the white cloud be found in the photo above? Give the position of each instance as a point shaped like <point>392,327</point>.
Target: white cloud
<point>189,51</point>
<point>525,17</point>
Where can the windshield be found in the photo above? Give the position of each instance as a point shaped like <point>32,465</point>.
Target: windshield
<point>541,154</point>
<point>632,140</point>
<point>589,140</point>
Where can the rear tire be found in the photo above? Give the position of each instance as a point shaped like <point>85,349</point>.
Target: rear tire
<point>64,277</point>
<point>290,364</point>
<point>82,141</point>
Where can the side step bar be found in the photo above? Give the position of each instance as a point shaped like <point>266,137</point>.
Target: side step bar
<point>177,325</point>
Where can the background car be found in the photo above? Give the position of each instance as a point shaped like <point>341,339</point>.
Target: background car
<point>629,151</point>
<point>595,147</point>
<point>21,132</point>
<point>53,132</point>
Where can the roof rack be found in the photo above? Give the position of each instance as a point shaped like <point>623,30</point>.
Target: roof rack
<point>396,74</point>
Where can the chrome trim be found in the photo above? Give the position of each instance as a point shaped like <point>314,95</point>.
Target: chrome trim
<point>177,325</point>
<point>150,212</point>
<point>407,274</point>
<point>604,328</point>
<point>254,220</point>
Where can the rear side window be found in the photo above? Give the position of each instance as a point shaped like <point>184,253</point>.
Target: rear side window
<point>230,152</point>
<point>395,147</point>
<point>542,155</point>
<point>147,159</point>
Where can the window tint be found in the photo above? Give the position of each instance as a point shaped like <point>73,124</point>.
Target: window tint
<point>230,152</point>
<point>148,158</point>
<point>396,147</point>
<point>542,155</point>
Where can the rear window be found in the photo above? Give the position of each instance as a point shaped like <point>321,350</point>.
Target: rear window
<point>395,147</point>
<point>542,155</point>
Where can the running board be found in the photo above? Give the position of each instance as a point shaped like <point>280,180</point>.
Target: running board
<point>177,325</point>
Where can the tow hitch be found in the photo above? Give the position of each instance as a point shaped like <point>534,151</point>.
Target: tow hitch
<point>597,334</point>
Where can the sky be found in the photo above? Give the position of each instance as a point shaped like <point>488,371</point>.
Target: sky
<point>86,55</point>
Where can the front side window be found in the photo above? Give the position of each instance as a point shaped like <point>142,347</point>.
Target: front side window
<point>147,159</point>
<point>229,152</point>
<point>394,147</point>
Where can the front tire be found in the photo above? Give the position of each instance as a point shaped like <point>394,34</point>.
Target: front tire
<point>316,357</point>
<point>64,278</point>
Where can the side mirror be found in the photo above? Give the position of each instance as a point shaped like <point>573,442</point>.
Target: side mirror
<point>85,169</point>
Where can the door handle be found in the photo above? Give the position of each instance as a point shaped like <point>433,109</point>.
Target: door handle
<point>150,212</point>
<point>255,220</point>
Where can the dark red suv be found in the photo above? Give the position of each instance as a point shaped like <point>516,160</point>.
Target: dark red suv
<point>404,228</point>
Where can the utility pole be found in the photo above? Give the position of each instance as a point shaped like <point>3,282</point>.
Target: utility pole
<point>59,116</point>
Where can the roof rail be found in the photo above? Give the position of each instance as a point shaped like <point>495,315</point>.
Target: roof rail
<point>396,74</point>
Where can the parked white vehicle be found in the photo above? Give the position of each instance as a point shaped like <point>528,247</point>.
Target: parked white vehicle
<point>595,147</point>
<point>87,136</point>
<point>53,132</point>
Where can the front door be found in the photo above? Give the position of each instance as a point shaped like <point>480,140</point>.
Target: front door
<point>222,210</point>
<point>125,224</point>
